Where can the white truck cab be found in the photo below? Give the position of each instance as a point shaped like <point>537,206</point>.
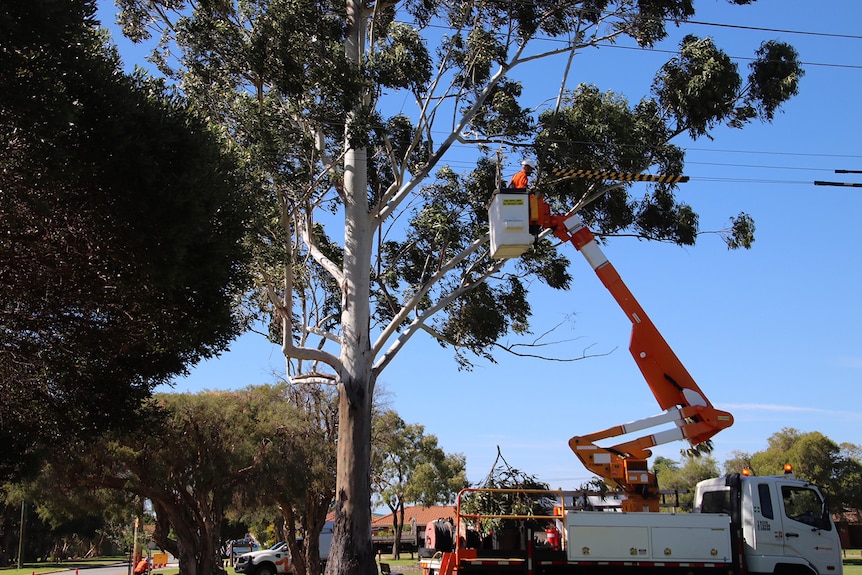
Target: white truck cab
<point>277,560</point>
<point>270,561</point>
<point>784,521</point>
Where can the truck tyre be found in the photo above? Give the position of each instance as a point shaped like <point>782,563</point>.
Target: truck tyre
<point>783,569</point>
<point>265,569</point>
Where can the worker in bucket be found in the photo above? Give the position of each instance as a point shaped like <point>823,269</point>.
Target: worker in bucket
<point>520,180</point>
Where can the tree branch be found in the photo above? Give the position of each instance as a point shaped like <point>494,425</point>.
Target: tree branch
<point>441,303</point>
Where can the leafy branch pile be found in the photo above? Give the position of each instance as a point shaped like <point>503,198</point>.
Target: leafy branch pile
<point>522,500</point>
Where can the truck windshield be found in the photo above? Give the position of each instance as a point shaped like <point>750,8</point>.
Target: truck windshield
<point>806,506</point>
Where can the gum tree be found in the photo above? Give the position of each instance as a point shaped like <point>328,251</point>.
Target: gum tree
<point>350,112</point>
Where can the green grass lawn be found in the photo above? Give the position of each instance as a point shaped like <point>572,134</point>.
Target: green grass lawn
<point>52,566</point>
<point>852,562</point>
<point>852,565</point>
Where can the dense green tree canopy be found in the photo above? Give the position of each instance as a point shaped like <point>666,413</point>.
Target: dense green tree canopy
<point>192,457</point>
<point>123,221</point>
<point>62,520</point>
<point>370,238</point>
<point>816,458</point>
<point>295,484</point>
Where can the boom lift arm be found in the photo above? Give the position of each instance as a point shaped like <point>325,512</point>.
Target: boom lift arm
<point>683,402</point>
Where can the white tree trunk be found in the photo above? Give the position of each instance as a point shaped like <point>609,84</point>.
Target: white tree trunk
<point>351,552</point>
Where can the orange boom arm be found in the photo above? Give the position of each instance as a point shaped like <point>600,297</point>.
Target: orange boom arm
<point>683,402</point>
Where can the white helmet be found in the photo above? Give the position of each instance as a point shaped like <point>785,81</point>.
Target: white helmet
<point>529,162</point>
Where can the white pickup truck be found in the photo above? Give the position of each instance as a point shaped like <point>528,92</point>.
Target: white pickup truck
<point>276,560</point>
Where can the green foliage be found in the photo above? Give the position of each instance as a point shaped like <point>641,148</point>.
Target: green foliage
<point>61,522</point>
<point>301,86</point>
<point>409,467</point>
<point>699,86</point>
<point>835,469</point>
<point>737,463</point>
<point>402,60</point>
<point>683,478</point>
<point>774,78</point>
<point>547,263</point>
<point>815,458</point>
<point>742,232</point>
<point>124,217</point>
<point>194,457</point>
<point>519,498</point>
<point>275,74</point>
<point>600,131</point>
<point>501,116</point>
<point>482,316</point>
<point>702,87</point>
<point>294,483</point>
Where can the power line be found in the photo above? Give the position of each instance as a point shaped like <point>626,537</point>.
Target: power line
<point>754,166</point>
<point>725,25</point>
<point>715,24</point>
<point>748,152</point>
<point>689,162</point>
<point>769,153</point>
<point>750,181</point>
<point>467,165</point>
<point>740,58</point>
<point>777,30</point>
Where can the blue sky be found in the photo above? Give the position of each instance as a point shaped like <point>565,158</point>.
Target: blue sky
<point>771,334</point>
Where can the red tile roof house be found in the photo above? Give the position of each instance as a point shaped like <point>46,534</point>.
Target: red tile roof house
<point>416,518</point>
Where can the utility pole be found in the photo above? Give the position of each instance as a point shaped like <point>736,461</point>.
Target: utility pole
<point>21,537</point>
<point>135,542</point>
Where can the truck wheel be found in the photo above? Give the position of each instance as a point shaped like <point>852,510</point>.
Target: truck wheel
<point>265,570</point>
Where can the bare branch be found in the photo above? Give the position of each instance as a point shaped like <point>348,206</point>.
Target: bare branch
<point>584,355</point>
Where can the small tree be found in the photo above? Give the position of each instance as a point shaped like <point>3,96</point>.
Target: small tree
<point>739,460</point>
<point>295,478</point>
<point>408,467</point>
<point>684,478</point>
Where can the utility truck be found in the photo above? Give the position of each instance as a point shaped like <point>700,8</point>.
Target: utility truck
<point>741,524</point>
<point>776,524</point>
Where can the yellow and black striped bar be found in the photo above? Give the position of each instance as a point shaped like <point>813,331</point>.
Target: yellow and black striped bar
<point>620,176</point>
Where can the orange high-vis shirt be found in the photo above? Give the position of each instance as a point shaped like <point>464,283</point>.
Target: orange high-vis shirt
<point>519,180</point>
